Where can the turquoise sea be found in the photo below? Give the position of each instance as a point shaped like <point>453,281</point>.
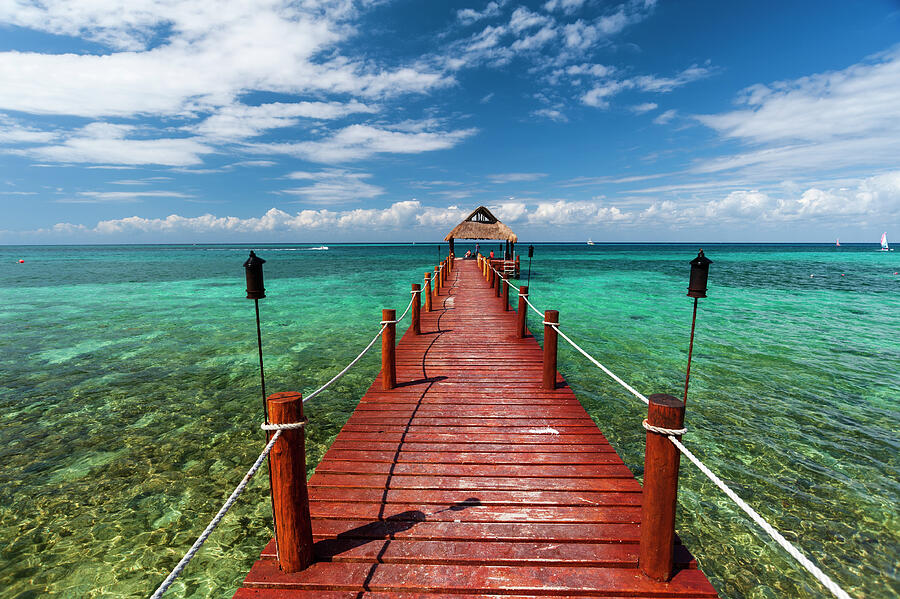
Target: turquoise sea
<point>130,401</point>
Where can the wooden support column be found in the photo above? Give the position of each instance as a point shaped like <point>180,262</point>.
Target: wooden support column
<point>522,315</point>
<point>491,275</point>
<point>416,309</point>
<point>505,295</point>
<point>550,341</point>
<point>661,462</point>
<point>427,292</point>
<point>389,351</point>
<point>517,267</point>
<point>498,283</point>
<point>290,500</point>
<point>436,277</point>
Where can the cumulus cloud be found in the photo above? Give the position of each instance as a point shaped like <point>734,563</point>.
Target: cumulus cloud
<point>467,16</point>
<point>563,212</point>
<point>665,117</point>
<point>599,95</point>
<point>645,107</point>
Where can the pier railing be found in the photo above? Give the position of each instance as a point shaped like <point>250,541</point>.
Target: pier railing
<point>665,427</point>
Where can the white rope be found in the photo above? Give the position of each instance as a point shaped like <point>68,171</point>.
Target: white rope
<point>348,367</point>
<point>179,568</point>
<point>785,544</point>
<point>663,431</point>
<point>290,426</point>
<point>768,528</point>
<point>530,305</point>
<point>405,312</point>
<point>609,372</point>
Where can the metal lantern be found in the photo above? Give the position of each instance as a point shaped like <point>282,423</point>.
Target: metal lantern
<point>699,274</point>
<point>531,251</point>
<point>255,287</point>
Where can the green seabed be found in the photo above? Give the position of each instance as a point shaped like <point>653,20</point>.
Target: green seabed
<point>129,401</point>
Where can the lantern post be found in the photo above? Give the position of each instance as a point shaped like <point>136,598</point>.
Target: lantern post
<point>696,290</point>
<point>530,256</point>
<point>256,291</point>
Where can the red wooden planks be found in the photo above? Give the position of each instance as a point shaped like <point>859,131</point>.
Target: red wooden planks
<point>470,480</point>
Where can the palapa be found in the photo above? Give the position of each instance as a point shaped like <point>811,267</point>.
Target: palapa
<point>481,224</point>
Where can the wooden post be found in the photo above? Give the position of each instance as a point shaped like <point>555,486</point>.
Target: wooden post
<point>290,500</point>
<point>522,314</point>
<point>550,339</point>
<point>437,282</point>
<point>490,277</point>
<point>389,351</point>
<point>661,461</point>
<point>416,309</point>
<point>505,295</point>
<point>517,266</point>
<point>427,292</point>
<point>497,283</point>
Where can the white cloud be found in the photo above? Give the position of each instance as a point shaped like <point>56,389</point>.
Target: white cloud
<point>334,186</point>
<point>467,16</point>
<point>103,197</point>
<point>551,113</point>
<point>665,117</point>
<point>108,143</point>
<point>357,142</point>
<point>11,132</point>
<point>567,6</point>
<point>563,212</point>
<point>209,54</point>
<point>515,177</point>
<point>535,41</point>
<point>599,95</point>
<point>522,19</point>
<point>238,121</point>
<point>645,107</point>
<point>838,119</point>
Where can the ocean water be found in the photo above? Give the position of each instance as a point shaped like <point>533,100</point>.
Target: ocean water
<point>130,400</point>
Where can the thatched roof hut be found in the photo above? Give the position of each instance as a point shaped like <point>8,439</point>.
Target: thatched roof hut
<point>482,224</point>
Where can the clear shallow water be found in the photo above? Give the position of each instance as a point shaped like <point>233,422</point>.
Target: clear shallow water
<point>129,399</point>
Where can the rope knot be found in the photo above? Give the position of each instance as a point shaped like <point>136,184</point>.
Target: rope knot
<point>290,426</point>
<point>677,432</point>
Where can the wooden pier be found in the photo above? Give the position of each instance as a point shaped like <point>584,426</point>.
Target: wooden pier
<point>470,479</point>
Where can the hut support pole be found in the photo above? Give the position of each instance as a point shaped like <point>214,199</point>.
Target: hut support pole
<point>416,309</point>
<point>550,341</point>
<point>428,292</point>
<point>522,314</point>
<point>497,283</point>
<point>290,499</point>
<point>389,351</point>
<point>661,462</point>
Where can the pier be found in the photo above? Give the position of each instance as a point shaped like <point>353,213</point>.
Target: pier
<point>469,468</point>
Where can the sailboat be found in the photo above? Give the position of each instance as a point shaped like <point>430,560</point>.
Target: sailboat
<point>837,243</point>
<point>884,243</point>
<point>590,242</point>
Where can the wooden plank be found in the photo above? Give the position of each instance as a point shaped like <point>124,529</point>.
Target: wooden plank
<point>470,480</point>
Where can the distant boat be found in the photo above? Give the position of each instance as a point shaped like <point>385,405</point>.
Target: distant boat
<point>837,243</point>
<point>884,243</point>
<point>590,242</point>
<point>321,248</point>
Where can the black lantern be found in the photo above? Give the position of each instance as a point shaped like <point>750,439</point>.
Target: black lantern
<point>699,274</point>
<point>255,287</point>
<point>531,251</point>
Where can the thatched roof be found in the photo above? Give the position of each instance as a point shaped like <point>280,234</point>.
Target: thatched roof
<point>481,224</point>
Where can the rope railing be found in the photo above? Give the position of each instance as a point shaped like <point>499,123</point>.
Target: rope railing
<point>278,428</point>
<point>792,550</point>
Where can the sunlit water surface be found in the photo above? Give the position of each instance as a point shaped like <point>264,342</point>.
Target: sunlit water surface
<point>130,400</point>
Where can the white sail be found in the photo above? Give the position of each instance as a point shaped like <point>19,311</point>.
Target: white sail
<point>884,243</point>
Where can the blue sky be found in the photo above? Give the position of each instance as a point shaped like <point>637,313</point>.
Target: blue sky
<point>341,120</point>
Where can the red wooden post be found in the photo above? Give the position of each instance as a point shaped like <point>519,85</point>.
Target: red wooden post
<point>505,295</point>
<point>490,276</point>
<point>661,461</point>
<point>428,292</point>
<point>497,283</point>
<point>521,316</point>
<point>437,282</point>
<point>550,339</point>
<point>389,351</point>
<point>416,309</point>
<point>517,266</point>
<point>290,500</point>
